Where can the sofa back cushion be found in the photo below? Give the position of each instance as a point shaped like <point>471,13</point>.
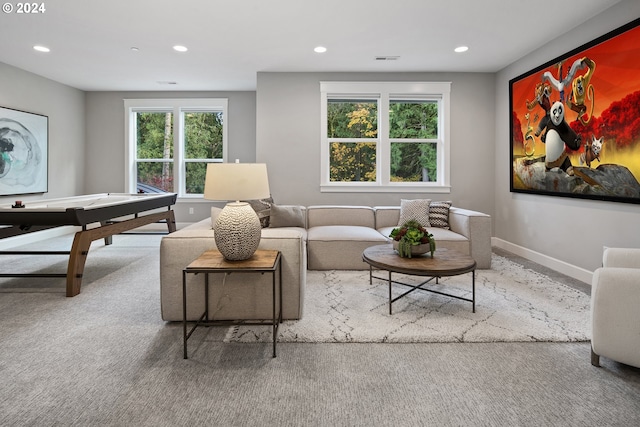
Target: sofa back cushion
<point>387,216</point>
<point>340,215</point>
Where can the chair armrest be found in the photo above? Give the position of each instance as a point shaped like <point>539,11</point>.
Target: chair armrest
<point>621,257</point>
<point>615,318</point>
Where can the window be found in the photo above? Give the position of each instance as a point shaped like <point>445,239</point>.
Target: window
<point>385,136</point>
<point>171,141</point>
<point>352,132</point>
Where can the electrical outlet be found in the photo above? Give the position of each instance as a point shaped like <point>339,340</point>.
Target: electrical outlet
<point>190,211</point>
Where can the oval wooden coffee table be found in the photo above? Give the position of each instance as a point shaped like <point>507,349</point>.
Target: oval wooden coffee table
<point>445,262</point>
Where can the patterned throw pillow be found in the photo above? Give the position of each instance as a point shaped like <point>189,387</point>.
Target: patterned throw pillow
<point>263,210</point>
<point>415,209</point>
<point>439,214</point>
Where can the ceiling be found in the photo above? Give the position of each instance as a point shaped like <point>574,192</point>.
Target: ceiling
<point>230,41</point>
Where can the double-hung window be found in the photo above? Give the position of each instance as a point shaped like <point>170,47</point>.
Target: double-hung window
<point>171,141</point>
<point>385,136</point>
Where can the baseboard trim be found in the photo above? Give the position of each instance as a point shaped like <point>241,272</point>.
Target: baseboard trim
<point>570,270</point>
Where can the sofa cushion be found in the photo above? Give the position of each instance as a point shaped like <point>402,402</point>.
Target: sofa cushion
<point>417,210</point>
<point>439,234</point>
<point>439,214</point>
<point>341,215</point>
<point>345,232</point>
<point>285,232</point>
<point>387,216</point>
<point>286,216</point>
<point>340,247</point>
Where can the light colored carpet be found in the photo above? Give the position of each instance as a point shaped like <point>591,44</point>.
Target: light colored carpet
<point>513,304</point>
<point>105,358</point>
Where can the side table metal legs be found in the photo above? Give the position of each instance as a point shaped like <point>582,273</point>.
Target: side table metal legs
<point>203,317</point>
<point>274,267</point>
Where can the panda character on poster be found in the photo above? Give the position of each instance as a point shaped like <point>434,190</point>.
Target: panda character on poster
<point>558,134</point>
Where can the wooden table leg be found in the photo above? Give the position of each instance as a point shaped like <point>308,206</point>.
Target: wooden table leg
<point>171,221</point>
<point>82,243</point>
<point>77,259</point>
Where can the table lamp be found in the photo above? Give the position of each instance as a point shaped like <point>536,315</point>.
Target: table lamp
<point>237,229</point>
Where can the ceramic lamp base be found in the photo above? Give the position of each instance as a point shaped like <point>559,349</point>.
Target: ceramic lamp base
<point>237,231</point>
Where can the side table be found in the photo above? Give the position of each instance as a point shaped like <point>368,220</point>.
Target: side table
<point>212,261</point>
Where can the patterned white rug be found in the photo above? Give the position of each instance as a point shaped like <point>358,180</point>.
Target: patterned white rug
<point>512,304</point>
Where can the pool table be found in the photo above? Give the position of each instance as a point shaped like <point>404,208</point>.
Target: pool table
<point>100,216</point>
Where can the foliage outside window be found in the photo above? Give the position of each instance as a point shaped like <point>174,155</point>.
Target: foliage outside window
<point>352,128</point>
<point>413,134</point>
<point>154,149</point>
<point>171,142</point>
<point>385,136</point>
<point>202,143</point>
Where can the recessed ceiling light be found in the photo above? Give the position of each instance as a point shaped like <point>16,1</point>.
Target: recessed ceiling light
<point>319,49</point>
<point>180,48</point>
<point>40,48</point>
<point>134,49</point>
<point>461,49</point>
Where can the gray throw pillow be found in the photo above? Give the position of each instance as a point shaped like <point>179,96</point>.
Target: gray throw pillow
<point>286,216</point>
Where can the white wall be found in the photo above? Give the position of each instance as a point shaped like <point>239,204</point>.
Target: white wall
<point>288,138</point>
<point>64,106</point>
<point>106,140</point>
<point>572,231</point>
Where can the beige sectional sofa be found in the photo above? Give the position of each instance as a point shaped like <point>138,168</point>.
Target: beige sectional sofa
<point>322,238</point>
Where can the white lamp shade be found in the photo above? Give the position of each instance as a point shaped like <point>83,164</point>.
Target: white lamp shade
<point>236,181</point>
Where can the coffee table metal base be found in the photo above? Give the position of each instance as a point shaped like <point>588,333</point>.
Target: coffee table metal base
<point>420,287</point>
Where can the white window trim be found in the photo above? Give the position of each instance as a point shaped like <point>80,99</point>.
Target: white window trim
<point>383,91</point>
<point>177,107</point>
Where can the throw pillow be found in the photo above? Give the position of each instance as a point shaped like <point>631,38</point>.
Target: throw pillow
<point>439,214</point>
<point>215,212</point>
<point>415,209</point>
<point>263,210</point>
<point>286,216</point>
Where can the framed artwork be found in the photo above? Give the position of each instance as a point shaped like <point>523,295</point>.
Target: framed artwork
<point>24,140</point>
<point>575,122</point>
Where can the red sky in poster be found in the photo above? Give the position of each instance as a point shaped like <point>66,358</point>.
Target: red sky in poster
<point>617,74</point>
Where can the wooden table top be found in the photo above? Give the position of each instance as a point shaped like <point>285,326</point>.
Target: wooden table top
<point>445,262</point>
<point>213,259</point>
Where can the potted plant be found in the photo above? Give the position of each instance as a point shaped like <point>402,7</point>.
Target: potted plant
<point>412,239</point>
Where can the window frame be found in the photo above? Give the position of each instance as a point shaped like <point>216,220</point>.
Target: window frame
<point>177,107</point>
<point>384,92</point>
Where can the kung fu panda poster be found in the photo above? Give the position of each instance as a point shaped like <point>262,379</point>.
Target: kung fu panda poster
<point>575,122</point>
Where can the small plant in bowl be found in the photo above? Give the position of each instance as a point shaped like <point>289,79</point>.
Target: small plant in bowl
<point>412,239</point>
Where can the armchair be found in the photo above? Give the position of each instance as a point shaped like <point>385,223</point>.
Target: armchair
<point>615,307</point>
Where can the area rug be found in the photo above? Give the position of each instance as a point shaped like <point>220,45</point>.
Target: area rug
<point>513,304</point>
